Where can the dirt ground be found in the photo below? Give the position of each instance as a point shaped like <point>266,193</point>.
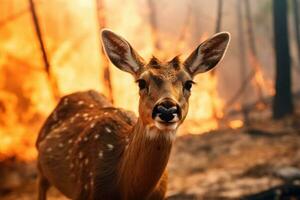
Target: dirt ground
<point>223,164</point>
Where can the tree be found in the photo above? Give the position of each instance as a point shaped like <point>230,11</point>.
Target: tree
<point>296,5</point>
<point>102,24</point>
<point>51,78</point>
<point>213,90</point>
<point>282,103</point>
<point>242,55</point>
<point>153,24</point>
<point>253,53</point>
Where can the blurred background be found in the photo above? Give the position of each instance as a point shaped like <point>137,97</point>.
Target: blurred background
<point>242,134</point>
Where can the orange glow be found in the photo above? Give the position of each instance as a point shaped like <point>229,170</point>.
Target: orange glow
<point>265,85</point>
<point>236,124</point>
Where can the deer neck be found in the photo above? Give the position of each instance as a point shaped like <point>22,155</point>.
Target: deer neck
<point>145,160</point>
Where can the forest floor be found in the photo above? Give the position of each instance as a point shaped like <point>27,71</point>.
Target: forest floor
<point>222,164</point>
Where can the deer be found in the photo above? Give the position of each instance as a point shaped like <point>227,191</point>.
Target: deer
<point>90,150</point>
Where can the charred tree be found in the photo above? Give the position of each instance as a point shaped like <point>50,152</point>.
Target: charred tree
<point>242,55</point>
<point>185,29</point>
<point>253,52</point>
<point>296,6</point>
<point>219,16</point>
<point>153,24</point>
<point>39,35</point>
<point>213,91</point>
<point>102,24</point>
<point>283,104</point>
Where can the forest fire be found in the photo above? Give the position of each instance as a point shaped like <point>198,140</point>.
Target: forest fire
<point>78,64</point>
<point>239,139</point>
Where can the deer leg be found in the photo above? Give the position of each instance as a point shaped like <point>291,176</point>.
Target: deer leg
<point>43,186</point>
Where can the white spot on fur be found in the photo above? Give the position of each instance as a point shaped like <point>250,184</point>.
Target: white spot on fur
<point>85,139</point>
<point>80,102</point>
<point>91,106</point>
<point>100,154</point>
<point>70,141</point>
<point>72,119</point>
<point>107,130</point>
<point>96,136</point>
<point>49,137</point>
<point>49,149</point>
<point>80,154</point>
<point>66,101</point>
<point>105,113</point>
<point>85,115</point>
<point>110,146</point>
<point>71,166</point>
<point>86,161</point>
<point>63,128</point>
<point>93,125</point>
<point>77,115</point>
<point>86,187</point>
<point>61,145</point>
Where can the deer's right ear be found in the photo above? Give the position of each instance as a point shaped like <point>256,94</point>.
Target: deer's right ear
<point>120,53</point>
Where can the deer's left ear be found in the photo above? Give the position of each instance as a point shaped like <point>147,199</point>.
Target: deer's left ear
<point>208,54</point>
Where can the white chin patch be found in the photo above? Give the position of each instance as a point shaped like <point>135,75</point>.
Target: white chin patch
<point>165,127</point>
<point>159,129</point>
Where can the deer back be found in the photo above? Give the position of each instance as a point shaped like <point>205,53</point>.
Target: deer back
<point>81,143</point>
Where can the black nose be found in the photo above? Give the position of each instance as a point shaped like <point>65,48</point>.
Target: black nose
<point>166,110</point>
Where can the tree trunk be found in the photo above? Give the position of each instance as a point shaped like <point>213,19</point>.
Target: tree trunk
<point>213,90</point>
<point>282,104</point>
<point>52,81</point>
<point>297,28</point>
<point>185,30</point>
<point>105,62</point>
<point>253,53</point>
<point>242,55</point>
<point>154,25</point>
<point>219,16</point>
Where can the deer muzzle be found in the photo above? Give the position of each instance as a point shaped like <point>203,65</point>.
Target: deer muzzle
<point>166,111</point>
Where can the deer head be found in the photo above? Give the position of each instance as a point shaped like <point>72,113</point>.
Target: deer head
<point>164,87</point>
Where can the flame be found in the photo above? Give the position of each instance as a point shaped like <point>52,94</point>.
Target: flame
<point>264,84</point>
<point>73,45</point>
<point>236,124</point>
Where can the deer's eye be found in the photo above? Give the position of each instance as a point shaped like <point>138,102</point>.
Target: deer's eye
<point>188,85</point>
<point>142,84</point>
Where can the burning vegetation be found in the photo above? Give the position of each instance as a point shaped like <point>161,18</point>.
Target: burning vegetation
<point>49,49</point>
